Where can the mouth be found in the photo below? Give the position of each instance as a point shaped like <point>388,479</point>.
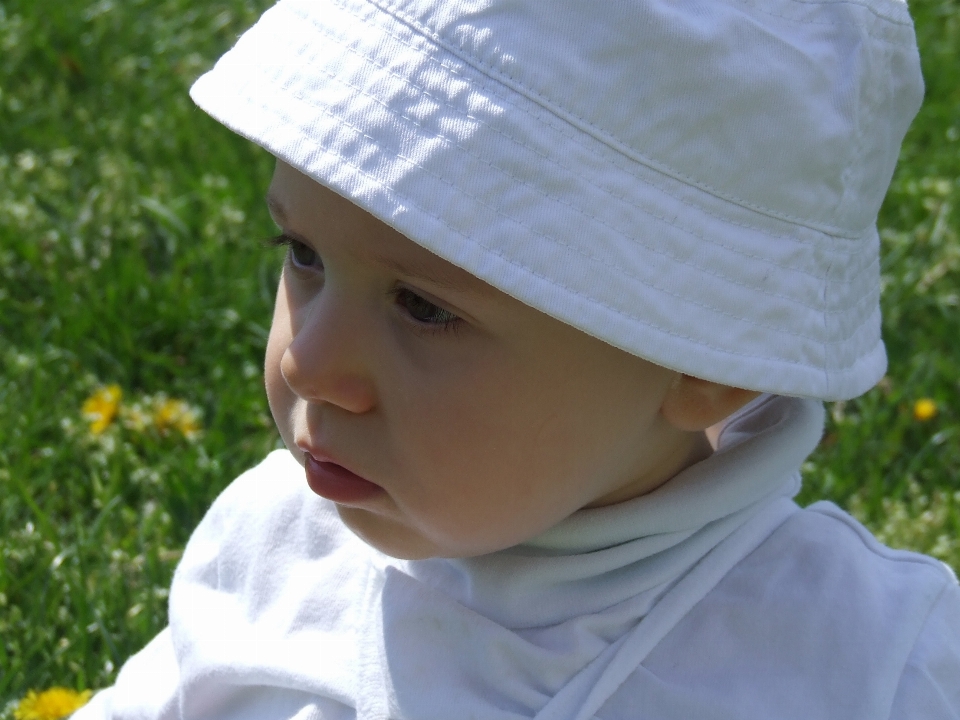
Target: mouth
<point>334,482</point>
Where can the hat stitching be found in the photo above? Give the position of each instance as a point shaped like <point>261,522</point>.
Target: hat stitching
<point>286,52</point>
<point>856,250</point>
<point>596,219</point>
<point>564,128</point>
<point>856,156</point>
<point>559,241</point>
<point>873,11</point>
<point>600,134</point>
<point>587,126</point>
<point>801,384</point>
<point>866,267</point>
<point>826,349</point>
<point>869,6</point>
<point>651,248</point>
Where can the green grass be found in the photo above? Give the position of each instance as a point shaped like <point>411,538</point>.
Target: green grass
<point>128,254</point>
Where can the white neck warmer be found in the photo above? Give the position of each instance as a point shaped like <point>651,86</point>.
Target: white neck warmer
<point>278,611</point>
<point>570,614</point>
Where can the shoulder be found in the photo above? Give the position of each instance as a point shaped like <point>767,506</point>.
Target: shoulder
<point>930,684</point>
<point>821,612</point>
<point>826,552</point>
<point>905,601</point>
<point>826,573</point>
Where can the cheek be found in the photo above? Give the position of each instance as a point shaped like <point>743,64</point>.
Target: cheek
<point>482,461</point>
<point>492,420</point>
<point>450,421</point>
<point>502,452</point>
<point>279,395</point>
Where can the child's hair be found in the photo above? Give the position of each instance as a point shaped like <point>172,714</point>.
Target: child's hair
<point>695,183</point>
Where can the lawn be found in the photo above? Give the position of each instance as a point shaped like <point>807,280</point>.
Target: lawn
<point>136,293</point>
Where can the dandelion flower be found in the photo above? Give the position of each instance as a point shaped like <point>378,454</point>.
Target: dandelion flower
<point>101,408</point>
<point>924,409</point>
<point>176,414</point>
<point>52,704</point>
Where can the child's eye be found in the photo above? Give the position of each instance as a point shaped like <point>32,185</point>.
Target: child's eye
<point>301,254</point>
<point>424,311</point>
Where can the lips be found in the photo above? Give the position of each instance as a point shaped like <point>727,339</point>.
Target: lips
<point>334,482</point>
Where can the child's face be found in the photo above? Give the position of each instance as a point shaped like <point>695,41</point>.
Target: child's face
<point>483,421</point>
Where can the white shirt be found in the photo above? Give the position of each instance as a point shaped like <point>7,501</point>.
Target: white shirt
<point>713,597</point>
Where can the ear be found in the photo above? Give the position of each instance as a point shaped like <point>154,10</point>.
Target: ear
<point>694,404</point>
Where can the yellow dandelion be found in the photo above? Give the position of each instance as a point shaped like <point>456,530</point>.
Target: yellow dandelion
<point>52,704</point>
<point>924,409</point>
<point>189,426</point>
<point>176,414</point>
<point>101,408</point>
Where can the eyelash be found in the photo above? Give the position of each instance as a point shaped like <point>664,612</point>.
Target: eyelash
<point>449,323</point>
<point>292,246</point>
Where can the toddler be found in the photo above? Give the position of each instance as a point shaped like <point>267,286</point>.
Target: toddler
<point>566,285</point>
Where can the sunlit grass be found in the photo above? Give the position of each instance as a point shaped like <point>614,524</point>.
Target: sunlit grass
<point>135,298</point>
<point>134,304</point>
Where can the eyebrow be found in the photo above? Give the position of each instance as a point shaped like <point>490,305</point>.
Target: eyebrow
<point>435,276</point>
<point>461,282</point>
<point>277,211</point>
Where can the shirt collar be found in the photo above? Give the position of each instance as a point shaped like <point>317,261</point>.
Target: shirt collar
<point>599,557</point>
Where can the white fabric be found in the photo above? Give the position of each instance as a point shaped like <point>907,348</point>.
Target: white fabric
<point>696,183</point>
<point>713,597</point>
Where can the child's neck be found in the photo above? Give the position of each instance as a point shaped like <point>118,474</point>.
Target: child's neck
<point>694,448</point>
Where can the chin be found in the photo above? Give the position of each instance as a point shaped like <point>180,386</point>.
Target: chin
<point>387,536</point>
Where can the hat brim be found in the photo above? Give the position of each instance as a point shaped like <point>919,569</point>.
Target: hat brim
<point>492,180</point>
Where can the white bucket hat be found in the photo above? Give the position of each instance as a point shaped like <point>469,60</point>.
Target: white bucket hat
<point>696,183</point>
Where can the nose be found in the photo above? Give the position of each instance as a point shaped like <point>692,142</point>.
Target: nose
<point>327,357</point>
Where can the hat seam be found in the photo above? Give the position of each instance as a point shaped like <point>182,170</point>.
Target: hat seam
<point>868,5</point>
<point>496,89</point>
<point>820,341</point>
<point>370,99</point>
<point>596,219</point>
<point>600,259</point>
<point>599,133</point>
<point>826,348</point>
<point>497,92</point>
<point>855,158</point>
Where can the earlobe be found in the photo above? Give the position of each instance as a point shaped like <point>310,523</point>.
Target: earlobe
<point>692,404</point>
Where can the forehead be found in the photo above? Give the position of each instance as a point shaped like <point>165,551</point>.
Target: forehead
<point>311,212</point>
